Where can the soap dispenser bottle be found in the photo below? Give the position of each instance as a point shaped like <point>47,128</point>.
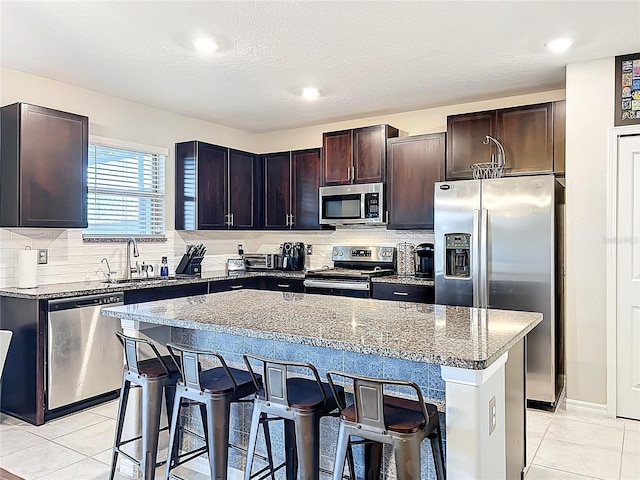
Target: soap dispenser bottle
<point>164,268</point>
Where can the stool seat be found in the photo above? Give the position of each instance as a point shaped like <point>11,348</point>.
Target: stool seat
<point>216,380</point>
<point>153,368</point>
<point>304,394</point>
<point>400,414</point>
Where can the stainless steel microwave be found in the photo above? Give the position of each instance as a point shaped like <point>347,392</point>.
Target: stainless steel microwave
<point>352,204</point>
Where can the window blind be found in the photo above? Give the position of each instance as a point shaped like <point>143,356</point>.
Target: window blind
<point>126,191</point>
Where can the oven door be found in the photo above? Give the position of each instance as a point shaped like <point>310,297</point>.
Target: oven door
<point>343,288</point>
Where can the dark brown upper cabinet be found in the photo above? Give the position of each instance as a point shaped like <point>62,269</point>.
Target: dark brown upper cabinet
<point>356,156</point>
<point>216,187</point>
<point>415,163</point>
<point>532,137</point>
<point>43,167</point>
<point>291,189</point>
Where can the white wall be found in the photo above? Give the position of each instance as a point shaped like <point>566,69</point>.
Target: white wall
<point>590,113</point>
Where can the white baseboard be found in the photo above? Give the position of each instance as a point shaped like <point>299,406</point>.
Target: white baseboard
<point>579,406</point>
<point>201,465</point>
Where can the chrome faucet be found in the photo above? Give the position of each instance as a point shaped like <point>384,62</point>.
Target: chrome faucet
<point>129,270</point>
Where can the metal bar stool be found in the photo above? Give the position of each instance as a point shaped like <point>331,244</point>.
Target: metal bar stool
<point>214,390</point>
<point>300,402</point>
<point>400,422</point>
<point>154,376</point>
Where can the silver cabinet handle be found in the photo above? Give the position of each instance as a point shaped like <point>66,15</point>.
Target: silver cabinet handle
<point>286,220</point>
<point>387,216</point>
<point>353,173</point>
<point>401,294</point>
<point>228,219</point>
<point>349,173</point>
<point>291,220</point>
<point>236,287</point>
<point>231,220</point>
<point>283,285</point>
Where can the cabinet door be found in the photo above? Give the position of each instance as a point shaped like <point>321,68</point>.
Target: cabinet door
<point>277,190</point>
<point>53,161</point>
<point>294,285</point>
<point>337,151</point>
<point>465,137</point>
<point>242,189</point>
<point>212,191</point>
<point>305,182</point>
<point>415,164</point>
<point>370,153</point>
<point>526,133</point>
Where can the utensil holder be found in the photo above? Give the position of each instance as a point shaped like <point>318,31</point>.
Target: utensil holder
<point>406,263</point>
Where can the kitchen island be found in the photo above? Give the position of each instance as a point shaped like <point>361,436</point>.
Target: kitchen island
<point>457,355</point>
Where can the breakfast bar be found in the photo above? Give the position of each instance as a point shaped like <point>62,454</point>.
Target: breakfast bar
<point>457,355</point>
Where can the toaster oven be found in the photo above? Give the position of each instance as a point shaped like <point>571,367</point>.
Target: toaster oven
<point>262,261</point>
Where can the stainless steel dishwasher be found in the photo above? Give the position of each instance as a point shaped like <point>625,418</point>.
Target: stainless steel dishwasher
<point>84,357</point>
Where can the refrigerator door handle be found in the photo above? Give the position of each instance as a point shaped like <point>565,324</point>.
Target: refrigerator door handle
<point>484,260</point>
<point>475,258</point>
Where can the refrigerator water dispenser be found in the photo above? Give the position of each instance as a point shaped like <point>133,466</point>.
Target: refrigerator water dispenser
<point>458,255</point>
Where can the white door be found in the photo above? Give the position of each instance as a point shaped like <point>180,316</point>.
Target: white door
<point>628,278</point>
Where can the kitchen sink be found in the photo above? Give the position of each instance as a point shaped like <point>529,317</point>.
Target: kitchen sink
<point>140,279</point>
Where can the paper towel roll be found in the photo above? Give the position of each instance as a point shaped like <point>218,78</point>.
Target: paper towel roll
<point>27,268</point>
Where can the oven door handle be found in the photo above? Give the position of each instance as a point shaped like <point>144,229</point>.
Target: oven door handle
<point>309,282</point>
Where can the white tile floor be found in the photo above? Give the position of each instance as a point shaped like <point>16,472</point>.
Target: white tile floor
<point>560,446</point>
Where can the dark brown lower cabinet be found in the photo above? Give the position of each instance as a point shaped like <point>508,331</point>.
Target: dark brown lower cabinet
<point>403,293</point>
<point>415,164</point>
<point>283,284</point>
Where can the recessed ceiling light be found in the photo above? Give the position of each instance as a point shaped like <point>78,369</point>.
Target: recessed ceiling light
<point>310,93</point>
<point>205,44</point>
<point>560,45</point>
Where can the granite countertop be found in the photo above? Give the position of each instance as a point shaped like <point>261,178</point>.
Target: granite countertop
<point>455,336</point>
<point>62,290</point>
<point>403,280</point>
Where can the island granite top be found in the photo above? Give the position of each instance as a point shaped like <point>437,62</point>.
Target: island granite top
<point>462,337</point>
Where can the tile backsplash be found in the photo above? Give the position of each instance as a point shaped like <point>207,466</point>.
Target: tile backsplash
<point>73,260</point>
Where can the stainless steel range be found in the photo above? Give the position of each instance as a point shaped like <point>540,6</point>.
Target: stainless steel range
<point>353,268</point>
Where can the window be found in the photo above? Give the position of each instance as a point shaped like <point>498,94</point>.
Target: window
<point>126,189</point>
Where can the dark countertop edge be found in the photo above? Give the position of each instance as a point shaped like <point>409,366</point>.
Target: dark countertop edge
<point>333,344</point>
<point>97,287</point>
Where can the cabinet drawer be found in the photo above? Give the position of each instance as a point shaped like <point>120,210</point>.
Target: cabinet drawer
<point>282,284</point>
<point>403,293</point>
<point>232,284</point>
<point>164,293</point>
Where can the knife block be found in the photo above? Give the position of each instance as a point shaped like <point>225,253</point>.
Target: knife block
<point>189,265</point>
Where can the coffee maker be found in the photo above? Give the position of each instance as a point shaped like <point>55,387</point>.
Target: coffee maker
<point>424,260</point>
<point>292,255</point>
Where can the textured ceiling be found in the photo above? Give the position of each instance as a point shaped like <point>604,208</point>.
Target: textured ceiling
<point>367,58</point>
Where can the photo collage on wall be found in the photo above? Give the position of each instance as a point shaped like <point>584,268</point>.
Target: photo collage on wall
<point>628,89</point>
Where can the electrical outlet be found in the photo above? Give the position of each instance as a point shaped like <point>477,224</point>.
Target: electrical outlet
<point>43,256</point>
<point>492,415</point>
<point>240,249</point>
<point>309,249</point>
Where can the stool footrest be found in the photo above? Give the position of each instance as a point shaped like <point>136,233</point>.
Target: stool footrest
<point>268,471</point>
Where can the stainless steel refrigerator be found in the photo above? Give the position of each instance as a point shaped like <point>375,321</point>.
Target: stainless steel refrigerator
<point>498,244</point>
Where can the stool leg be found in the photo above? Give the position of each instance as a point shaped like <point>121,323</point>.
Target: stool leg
<point>267,442</point>
<point>151,407</point>
<point>341,453</point>
<point>218,411</point>
<point>308,445</point>
<point>407,454</point>
<point>372,460</point>
<point>438,454</point>
<point>253,437</point>
<point>352,465</point>
<point>122,407</point>
<point>291,456</point>
<point>174,444</point>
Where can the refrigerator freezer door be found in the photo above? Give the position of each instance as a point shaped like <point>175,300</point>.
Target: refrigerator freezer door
<point>521,264</point>
<point>456,206</point>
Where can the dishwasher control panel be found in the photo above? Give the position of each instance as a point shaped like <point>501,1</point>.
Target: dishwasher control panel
<point>88,301</point>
